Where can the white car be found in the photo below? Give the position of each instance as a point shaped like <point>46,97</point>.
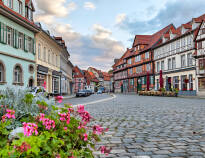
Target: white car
<point>38,90</point>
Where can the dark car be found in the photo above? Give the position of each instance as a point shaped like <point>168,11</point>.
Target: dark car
<point>82,93</point>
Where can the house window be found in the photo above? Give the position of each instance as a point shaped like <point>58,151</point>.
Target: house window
<point>158,66</point>
<point>18,74</point>
<point>130,61</point>
<point>143,80</point>
<point>9,36</point>
<point>2,72</point>
<point>56,60</point>
<point>148,66</point>
<point>190,82</point>
<point>169,64</point>
<point>49,56</point>
<point>200,45</point>
<point>131,82</point>
<point>130,71</point>
<point>147,55</point>
<point>202,64</point>
<point>176,82</point>
<point>151,80</point>
<point>203,31</point>
<point>183,61</point>
<point>39,51</point>
<point>10,3</point>
<point>44,54</point>
<point>138,58</point>
<point>173,63</point>
<point>189,59</point>
<point>20,41</point>
<point>30,48</point>
<point>162,65</point>
<point>20,7</point>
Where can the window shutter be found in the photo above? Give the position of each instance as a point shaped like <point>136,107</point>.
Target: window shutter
<point>13,38</point>
<point>25,43</point>
<point>17,39</point>
<point>34,46</point>
<point>5,34</point>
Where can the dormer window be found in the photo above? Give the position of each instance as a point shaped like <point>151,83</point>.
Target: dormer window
<point>29,13</point>
<point>20,7</point>
<point>10,4</point>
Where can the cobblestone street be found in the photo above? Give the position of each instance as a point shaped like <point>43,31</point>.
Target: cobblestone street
<point>155,127</point>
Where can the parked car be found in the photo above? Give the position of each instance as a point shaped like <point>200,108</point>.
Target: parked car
<point>82,93</point>
<point>99,92</point>
<point>89,92</point>
<point>39,91</point>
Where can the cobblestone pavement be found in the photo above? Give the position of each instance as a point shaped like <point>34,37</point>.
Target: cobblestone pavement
<point>154,127</point>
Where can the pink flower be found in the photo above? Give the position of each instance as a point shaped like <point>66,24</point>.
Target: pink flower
<point>85,137</point>
<point>10,114</point>
<point>47,122</point>
<point>97,129</point>
<point>65,117</point>
<point>3,118</point>
<point>59,99</point>
<point>30,128</point>
<point>80,109</point>
<point>104,150</point>
<point>65,128</point>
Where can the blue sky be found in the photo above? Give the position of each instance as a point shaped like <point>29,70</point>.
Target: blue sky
<point>97,31</point>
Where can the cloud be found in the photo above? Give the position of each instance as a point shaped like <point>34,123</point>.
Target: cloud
<point>176,12</point>
<point>48,10</point>
<point>89,6</point>
<point>120,18</point>
<point>98,49</point>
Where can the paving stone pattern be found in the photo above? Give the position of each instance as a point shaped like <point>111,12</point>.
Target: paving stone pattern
<point>152,127</point>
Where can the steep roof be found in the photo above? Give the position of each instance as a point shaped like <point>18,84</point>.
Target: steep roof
<point>78,73</point>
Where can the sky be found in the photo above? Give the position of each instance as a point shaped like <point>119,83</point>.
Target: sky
<point>98,31</point>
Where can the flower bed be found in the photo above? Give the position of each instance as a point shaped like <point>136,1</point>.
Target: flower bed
<point>56,133</point>
<point>158,93</point>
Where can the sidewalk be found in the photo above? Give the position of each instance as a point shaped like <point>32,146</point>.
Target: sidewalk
<point>68,96</point>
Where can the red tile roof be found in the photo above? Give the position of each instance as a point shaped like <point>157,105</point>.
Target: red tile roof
<point>106,76</point>
<point>78,73</point>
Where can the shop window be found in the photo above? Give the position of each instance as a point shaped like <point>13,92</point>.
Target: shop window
<point>201,84</point>
<point>184,82</point>
<point>190,82</point>
<point>176,82</point>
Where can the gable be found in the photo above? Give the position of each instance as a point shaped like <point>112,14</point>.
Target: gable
<point>201,31</point>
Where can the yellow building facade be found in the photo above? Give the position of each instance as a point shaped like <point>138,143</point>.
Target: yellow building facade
<point>48,53</point>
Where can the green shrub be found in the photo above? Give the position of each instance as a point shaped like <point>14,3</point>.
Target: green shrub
<point>48,131</point>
